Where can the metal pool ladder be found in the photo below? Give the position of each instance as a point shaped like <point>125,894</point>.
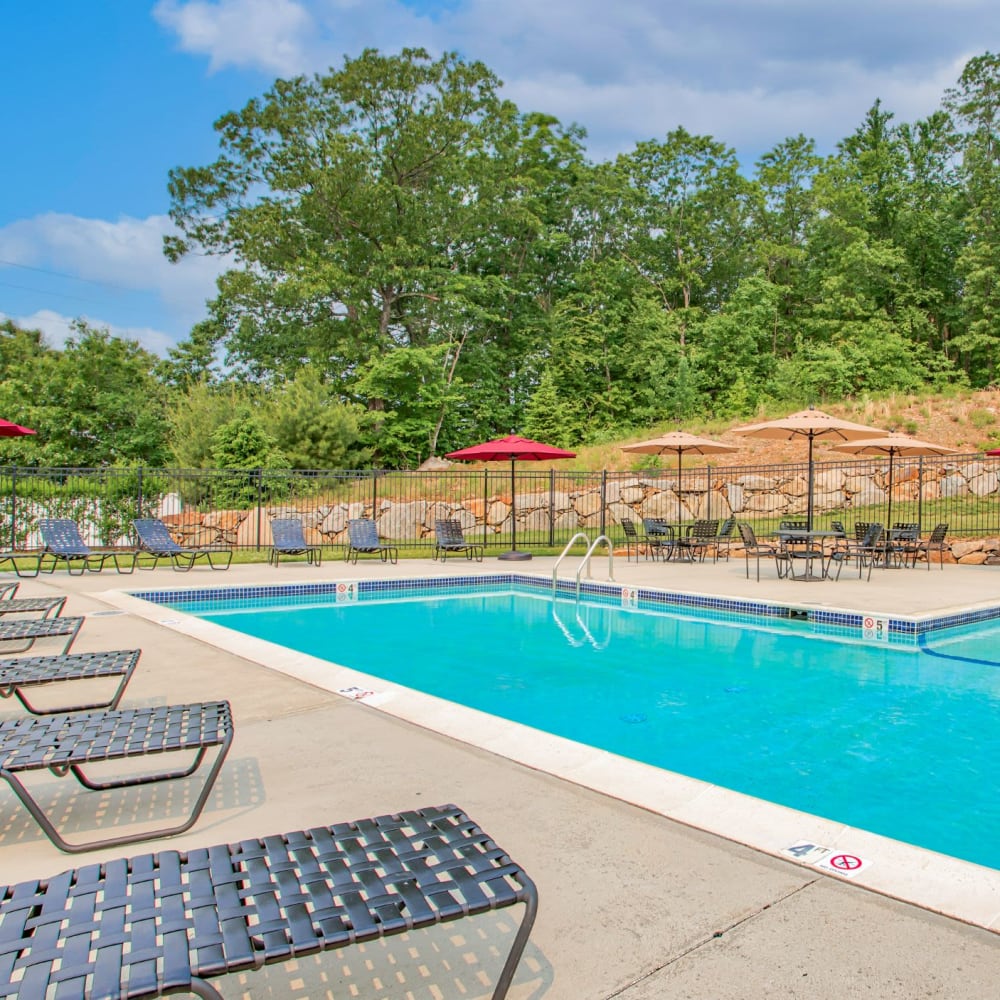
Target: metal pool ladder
<point>585,562</point>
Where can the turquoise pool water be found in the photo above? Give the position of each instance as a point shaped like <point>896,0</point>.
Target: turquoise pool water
<point>904,742</point>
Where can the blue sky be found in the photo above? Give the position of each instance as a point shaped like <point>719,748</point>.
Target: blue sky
<point>101,99</point>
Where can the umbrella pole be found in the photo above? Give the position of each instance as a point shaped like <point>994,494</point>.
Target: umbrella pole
<point>888,513</point>
<point>513,554</point>
<point>679,489</point>
<point>809,504</point>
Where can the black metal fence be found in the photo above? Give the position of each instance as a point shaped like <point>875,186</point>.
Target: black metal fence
<point>234,507</point>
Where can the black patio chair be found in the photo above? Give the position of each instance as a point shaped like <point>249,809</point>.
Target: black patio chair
<point>754,549</point>
<point>66,743</point>
<point>660,538</point>
<point>449,538</point>
<point>724,539</point>
<point>169,922</point>
<point>700,536</point>
<point>62,542</point>
<point>633,541</point>
<point>155,540</point>
<point>18,673</point>
<point>867,551</point>
<point>288,539</point>
<point>901,543</point>
<point>363,539</point>
<point>935,542</point>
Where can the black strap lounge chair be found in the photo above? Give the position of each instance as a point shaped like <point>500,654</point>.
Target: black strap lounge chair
<point>288,539</point>
<point>363,539</point>
<point>28,630</point>
<point>155,540</point>
<point>62,542</point>
<point>44,607</point>
<point>449,538</point>
<point>753,549</point>
<point>64,743</point>
<point>696,542</point>
<point>197,915</point>
<point>45,672</point>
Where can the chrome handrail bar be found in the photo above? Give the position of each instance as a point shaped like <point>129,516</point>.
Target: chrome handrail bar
<point>586,561</point>
<point>565,551</point>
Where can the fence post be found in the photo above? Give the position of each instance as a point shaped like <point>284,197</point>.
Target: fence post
<point>374,491</point>
<point>920,493</point>
<point>138,490</point>
<point>260,504</point>
<point>604,501</point>
<point>708,486</point>
<point>552,507</point>
<point>486,502</point>
<point>13,508</point>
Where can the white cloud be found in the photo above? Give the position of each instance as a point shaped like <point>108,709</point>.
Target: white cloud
<point>266,34</point>
<point>106,262</point>
<point>748,72</point>
<point>56,328</point>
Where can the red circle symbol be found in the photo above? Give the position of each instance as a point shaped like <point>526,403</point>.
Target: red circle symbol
<point>869,623</point>
<point>845,862</point>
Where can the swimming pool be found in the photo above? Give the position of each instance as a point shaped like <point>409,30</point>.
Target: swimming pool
<point>896,738</point>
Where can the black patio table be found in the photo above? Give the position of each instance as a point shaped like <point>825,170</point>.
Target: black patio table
<point>789,538</point>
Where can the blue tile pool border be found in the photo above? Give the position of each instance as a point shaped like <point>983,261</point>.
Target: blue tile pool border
<point>611,593</point>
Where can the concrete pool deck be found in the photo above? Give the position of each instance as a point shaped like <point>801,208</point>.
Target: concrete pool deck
<point>633,904</point>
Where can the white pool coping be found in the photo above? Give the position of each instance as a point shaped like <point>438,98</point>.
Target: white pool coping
<point>933,881</point>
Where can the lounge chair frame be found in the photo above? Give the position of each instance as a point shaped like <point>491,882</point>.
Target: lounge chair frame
<point>363,539</point>
<point>195,915</point>
<point>12,558</point>
<point>8,591</point>
<point>64,743</point>
<point>288,539</point>
<point>155,540</point>
<point>29,630</point>
<point>450,538</point>
<point>25,672</point>
<point>63,543</point>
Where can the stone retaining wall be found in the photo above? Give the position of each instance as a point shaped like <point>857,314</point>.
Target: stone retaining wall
<point>751,496</point>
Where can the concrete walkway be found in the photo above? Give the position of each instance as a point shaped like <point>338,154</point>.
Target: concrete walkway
<point>633,905</point>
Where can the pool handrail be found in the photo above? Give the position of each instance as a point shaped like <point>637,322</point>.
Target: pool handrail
<point>565,552</point>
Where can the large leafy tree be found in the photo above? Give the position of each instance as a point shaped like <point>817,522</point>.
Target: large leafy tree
<point>378,208</point>
<point>974,104</point>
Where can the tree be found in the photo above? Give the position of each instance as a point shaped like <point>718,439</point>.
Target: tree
<point>394,204</point>
<point>975,104</point>
<point>96,402</point>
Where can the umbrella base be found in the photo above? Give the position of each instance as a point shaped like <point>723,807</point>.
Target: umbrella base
<point>514,554</point>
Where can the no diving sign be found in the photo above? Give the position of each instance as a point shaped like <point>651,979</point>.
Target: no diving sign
<point>874,629</point>
<point>837,862</point>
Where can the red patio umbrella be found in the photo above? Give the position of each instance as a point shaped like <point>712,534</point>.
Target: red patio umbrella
<point>9,430</point>
<point>511,448</point>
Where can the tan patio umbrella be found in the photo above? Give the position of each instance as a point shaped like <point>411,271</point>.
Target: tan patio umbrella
<point>893,445</point>
<point>678,443</point>
<point>809,424</point>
